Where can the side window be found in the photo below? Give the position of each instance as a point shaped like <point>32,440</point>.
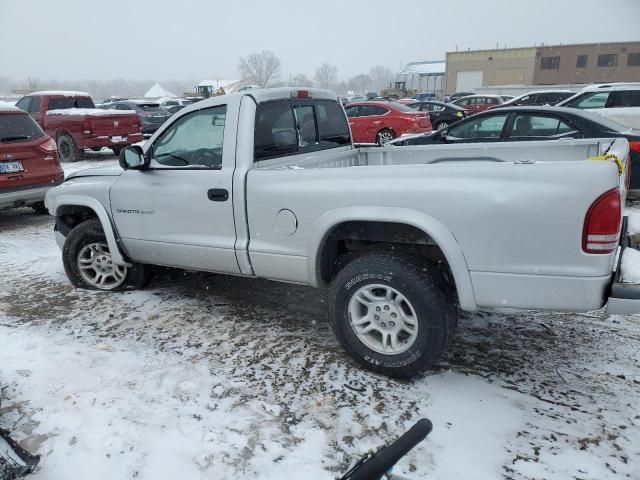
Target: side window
<point>590,100</point>
<point>434,107</point>
<point>370,110</point>
<point>194,140</point>
<point>538,126</point>
<point>24,104</point>
<point>275,130</point>
<point>489,126</point>
<point>352,111</point>
<point>625,98</point>
<point>35,105</point>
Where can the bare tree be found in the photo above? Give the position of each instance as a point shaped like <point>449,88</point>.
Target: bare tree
<point>360,83</point>
<point>301,80</point>
<point>260,68</point>
<point>326,75</point>
<point>381,77</point>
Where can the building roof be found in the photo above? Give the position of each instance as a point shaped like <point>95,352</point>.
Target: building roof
<point>542,45</point>
<point>424,68</point>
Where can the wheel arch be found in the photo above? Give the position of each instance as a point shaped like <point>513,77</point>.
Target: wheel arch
<point>69,209</point>
<point>410,222</point>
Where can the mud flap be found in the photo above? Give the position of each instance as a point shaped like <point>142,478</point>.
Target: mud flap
<point>624,298</point>
<point>15,461</point>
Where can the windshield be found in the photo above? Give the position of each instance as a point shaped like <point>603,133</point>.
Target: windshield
<point>294,230</point>
<point>18,127</point>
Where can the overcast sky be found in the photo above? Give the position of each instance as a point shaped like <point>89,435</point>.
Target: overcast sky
<point>169,39</point>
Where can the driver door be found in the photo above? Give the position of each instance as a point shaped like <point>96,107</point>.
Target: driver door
<point>179,212</point>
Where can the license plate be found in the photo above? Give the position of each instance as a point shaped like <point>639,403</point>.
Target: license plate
<point>11,167</point>
<point>118,139</point>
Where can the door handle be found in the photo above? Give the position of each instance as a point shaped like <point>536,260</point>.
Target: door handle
<point>218,194</point>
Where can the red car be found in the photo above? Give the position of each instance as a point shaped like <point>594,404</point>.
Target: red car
<point>381,122</point>
<point>29,163</point>
<point>478,103</point>
<point>72,119</point>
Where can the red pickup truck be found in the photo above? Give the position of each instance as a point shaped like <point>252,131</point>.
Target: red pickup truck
<point>73,121</point>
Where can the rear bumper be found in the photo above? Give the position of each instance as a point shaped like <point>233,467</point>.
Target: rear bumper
<point>24,196</point>
<point>624,298</point>
<point>107,141</point>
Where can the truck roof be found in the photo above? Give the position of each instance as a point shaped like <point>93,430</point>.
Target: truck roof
<point>60,93</point>
<point>268,94</point>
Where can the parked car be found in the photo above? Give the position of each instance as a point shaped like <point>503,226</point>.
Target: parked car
<point>401,236</point>
<point>510,124</point>
<point>457,95</point>
<point>617,101</point>
<point>150,114</point>
<point>540,97</point>
<point>29,163</point>
<point>72,120</point>
<point>478,103</point>
<point>170,104</point>
<point>441,114</point>
<point>424,96</point>
<point>380,122</point>
<point>109,101</point>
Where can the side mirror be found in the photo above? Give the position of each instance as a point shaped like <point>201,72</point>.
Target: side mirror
<point>132,158</point>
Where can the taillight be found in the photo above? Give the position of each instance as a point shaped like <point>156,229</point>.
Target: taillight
<point>601,231</point>
<point>634,146</point>
<point>48,145</point>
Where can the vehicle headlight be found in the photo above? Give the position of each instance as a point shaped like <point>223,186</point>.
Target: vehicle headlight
<point>458,114</point>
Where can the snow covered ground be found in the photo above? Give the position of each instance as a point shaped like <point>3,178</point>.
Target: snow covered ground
<point>207,376</point>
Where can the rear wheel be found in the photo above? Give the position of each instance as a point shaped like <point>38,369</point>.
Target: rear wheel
<point>391,315</point>
<point>117,150</point>
<point>88,263</point>
<point>385,136</point>
<point>67,149</point>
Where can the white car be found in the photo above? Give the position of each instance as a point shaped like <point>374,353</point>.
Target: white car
<point>618,101</point>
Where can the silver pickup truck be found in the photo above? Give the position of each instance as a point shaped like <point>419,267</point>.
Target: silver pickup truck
<point>268,184</point>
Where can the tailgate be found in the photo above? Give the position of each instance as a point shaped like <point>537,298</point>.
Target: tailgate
<point>116,124</point>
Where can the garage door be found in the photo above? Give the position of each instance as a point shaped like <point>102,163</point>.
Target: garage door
<point>468,81</point>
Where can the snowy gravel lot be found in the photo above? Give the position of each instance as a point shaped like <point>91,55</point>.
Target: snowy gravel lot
<point>207,376</point>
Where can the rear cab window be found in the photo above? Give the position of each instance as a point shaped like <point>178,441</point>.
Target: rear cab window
<point>295,126</point>
<point>64,103</point>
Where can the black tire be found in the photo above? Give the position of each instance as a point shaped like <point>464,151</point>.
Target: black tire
<point>441,124</point>
<point>436,311</point>
<point>67,149</point>
<point>40,209</point>
<point>90,231</point>
<point>385,132</point>
<point>117,150</point>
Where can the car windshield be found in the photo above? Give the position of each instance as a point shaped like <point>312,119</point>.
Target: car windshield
<point>292,231</point>
<point>18,127</point>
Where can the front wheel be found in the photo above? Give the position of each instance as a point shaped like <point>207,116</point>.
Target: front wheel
<point>390,315</point>
<point>441,125</point>
<point>88,263</point>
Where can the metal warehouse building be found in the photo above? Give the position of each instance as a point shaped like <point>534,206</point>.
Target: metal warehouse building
<point>543,65</point>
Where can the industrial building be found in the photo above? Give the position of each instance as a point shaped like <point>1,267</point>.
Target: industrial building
<point>543,65</point>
